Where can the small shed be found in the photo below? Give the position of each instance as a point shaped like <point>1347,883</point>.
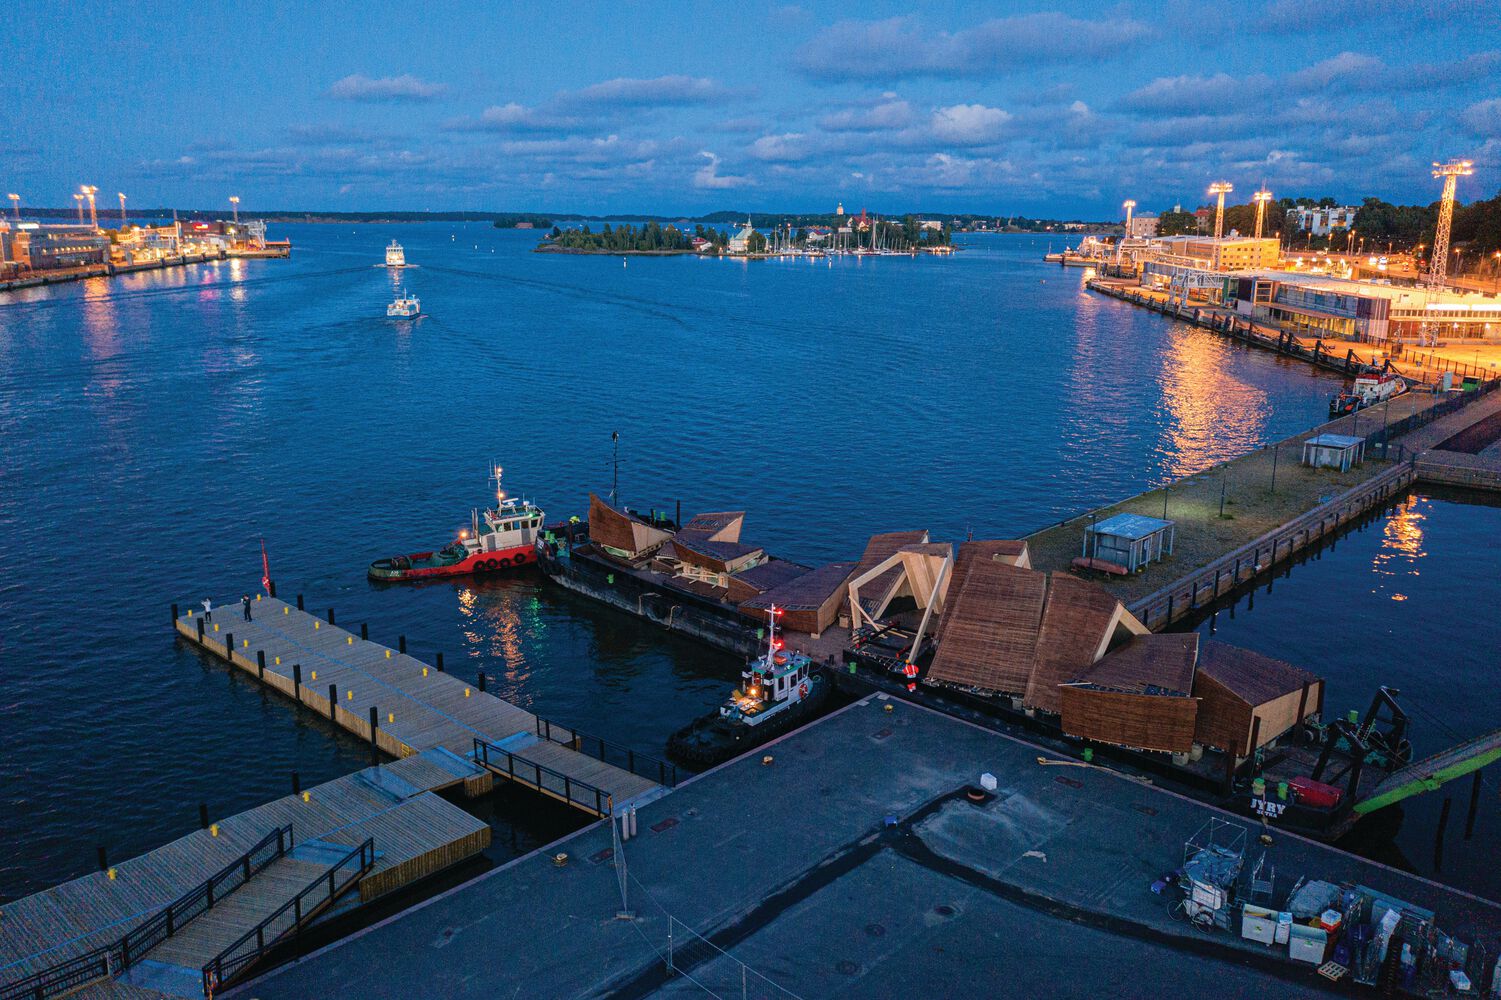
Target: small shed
<point>1333,451</point>
<point>1129,540</point>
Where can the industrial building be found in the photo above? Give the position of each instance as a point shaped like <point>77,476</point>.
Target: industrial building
<point>1228,253</point>
<point>1322,221</point>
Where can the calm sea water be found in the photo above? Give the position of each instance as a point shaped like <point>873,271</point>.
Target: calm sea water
<point>153,429</point>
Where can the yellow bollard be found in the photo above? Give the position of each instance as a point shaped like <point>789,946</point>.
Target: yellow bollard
<point>247,643</point>
<point>286,611</point>
<point>424,671</point>
<point>315,675</point>
<point>111,874</point>
<point>390,716</point>
<point>466,692</point>
<point>278,661</point>
<point>257,597</point>
<point>190,612</point>
<point>216,626</point>
<point>317,625</point>
<point>388,654</point>
<point>213,829</point>
<point>307,796</point>
<point>350,695</point>
<point>350,640</point>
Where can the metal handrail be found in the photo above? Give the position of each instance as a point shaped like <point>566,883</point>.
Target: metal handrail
<point>603,800</point>
<point>662,772</point>
<point>226,966</point>
<point>116,957</point>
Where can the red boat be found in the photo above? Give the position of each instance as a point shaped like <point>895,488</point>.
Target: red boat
<point>500,538</point>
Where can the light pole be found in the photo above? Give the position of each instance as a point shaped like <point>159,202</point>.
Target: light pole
<point>88,192</point>
<point>234,201</point>
<point>1128,205</point>
<point>78,200</point>
<point>1220,188</point>
<point>1260,198</point>
<point>122,210</point>
<point>1497,266</point>
<point>1349,242</point>
<point>15,205</point>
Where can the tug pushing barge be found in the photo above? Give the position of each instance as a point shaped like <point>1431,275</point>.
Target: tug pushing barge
<point>974,631</point>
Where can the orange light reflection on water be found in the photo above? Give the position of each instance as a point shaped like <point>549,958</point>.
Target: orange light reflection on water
<point>493,625</point>
<point>1401,546</point>
<point>1212,415</point>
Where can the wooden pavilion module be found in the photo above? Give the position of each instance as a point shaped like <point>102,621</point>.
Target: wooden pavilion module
<point>623,535</point>
<point>1138,696</point>
<point>1247,700</point>
<point>809,602</point>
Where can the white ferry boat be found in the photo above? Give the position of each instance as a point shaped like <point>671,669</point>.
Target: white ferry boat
<point>395,255</point>
<point>405,307</point>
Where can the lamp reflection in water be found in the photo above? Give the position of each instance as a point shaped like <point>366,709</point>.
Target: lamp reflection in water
<point>493,625</point>
<point>1212,415</point>
<point>1401,544</point>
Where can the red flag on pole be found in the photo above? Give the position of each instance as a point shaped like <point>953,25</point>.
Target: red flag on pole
<point>265,569</point>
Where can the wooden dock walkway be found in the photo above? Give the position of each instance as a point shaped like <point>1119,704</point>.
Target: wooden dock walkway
<point>405,706</point>
<point>149,918</point>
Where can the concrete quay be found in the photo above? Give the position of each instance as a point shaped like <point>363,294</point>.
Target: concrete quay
<point>853,864</point>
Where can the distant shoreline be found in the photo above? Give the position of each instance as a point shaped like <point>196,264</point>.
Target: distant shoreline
<point>552,248</point>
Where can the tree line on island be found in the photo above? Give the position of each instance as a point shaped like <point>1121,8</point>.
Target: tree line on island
<point>652,237</point>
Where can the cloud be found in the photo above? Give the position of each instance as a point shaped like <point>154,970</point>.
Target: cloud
<point>901,47</point>
<point>1196,94</point>
<point>709,177</point>
<point>661,91</point>
<point>787,148</point>
<point>386,89</point>
<point>513,117</point>
<point>969,124</point>
<point>889,114</point>
<point>1483,117</point>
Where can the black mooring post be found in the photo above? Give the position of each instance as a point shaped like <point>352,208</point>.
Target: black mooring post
<point>203,815</point>
<point>440,663</point>
<point>296,682</point>
<point>365,630</point>
<point>271,589</point>
<point>174,614</point>
<point>1474,802</point>
<point>333,701</point>
<point>260,663</point>
<point>481,680</point>
<point>299,602</point>
<point>103,858</point>
<point>200,631</point>
<point>229,646</point>
<point>374,723</point>
<point>401,643</point>
<point>296,783</point>
<point>330,616</point>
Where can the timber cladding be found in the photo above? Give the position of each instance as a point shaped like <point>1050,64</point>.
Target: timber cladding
<point>1148,722</point>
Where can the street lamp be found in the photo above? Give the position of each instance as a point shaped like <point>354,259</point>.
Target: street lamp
<point>78,200</point>
<point>1260,198</point>
<point>234,201</point>
<point>122,210</point>
<point>1220,188</point>
<point>1128,205</point>
<point>88,192</point>
<point>1349,242</point>
<point>15,205</point>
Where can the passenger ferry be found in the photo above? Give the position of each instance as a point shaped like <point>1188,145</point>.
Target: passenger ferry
<point>395,255</point>
<point>503,537</point>
<point>405,306</point>
<point>778,690</point>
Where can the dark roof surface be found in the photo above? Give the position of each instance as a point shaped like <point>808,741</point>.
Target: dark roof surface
<point>1255,678</point>
<point>808,591</point>
<point>771,574</point>
<point>1166,662</point>
<point>1075,621</point>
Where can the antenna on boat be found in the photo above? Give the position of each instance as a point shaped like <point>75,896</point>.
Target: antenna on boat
<point>500,494</point>
<point>771,634</point>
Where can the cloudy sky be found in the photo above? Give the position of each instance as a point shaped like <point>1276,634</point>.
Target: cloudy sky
<point>1058,110</point>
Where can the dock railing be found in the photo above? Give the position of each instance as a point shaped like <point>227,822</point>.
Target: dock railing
<point>319,894</point>
<point>644,765</point>
<point>113,959</point>
<point>542,778</point>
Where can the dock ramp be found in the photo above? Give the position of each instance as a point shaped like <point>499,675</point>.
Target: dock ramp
<point>1431,772</point>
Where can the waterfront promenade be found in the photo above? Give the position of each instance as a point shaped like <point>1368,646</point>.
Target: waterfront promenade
<point>852,864</point>
<point>112,269</point>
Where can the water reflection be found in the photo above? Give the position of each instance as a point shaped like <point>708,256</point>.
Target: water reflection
<point>1212,414</point>
<point>1401,546</point>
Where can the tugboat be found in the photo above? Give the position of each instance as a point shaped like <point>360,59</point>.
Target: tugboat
<point>1368,390</point>
<point>405,307</point>
<point>503,537</point>
<point>778,691</point>
<point>395,255</point>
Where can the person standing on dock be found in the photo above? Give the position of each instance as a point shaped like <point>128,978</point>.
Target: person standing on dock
<point>245,603</point>
<point>208,610</point>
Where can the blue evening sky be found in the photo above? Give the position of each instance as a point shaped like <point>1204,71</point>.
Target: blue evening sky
<point>1059,110</point>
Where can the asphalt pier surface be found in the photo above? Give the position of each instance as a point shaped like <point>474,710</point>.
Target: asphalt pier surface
<point>853,864</point>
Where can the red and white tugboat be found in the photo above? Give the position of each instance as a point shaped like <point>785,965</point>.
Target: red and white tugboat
<point>500,538</point>
<point>1368,390</point>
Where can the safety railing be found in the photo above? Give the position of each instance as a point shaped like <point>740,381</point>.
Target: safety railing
<point>544,779</point>
<point>641,764</point>
<point>289,918</point>
<point>114,958</point>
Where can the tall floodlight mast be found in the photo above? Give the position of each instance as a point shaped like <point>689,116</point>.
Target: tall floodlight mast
<point>1438,268</point>
<point>1220,188</point>
<point>1260,198</point>
<point>1128,205</point>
